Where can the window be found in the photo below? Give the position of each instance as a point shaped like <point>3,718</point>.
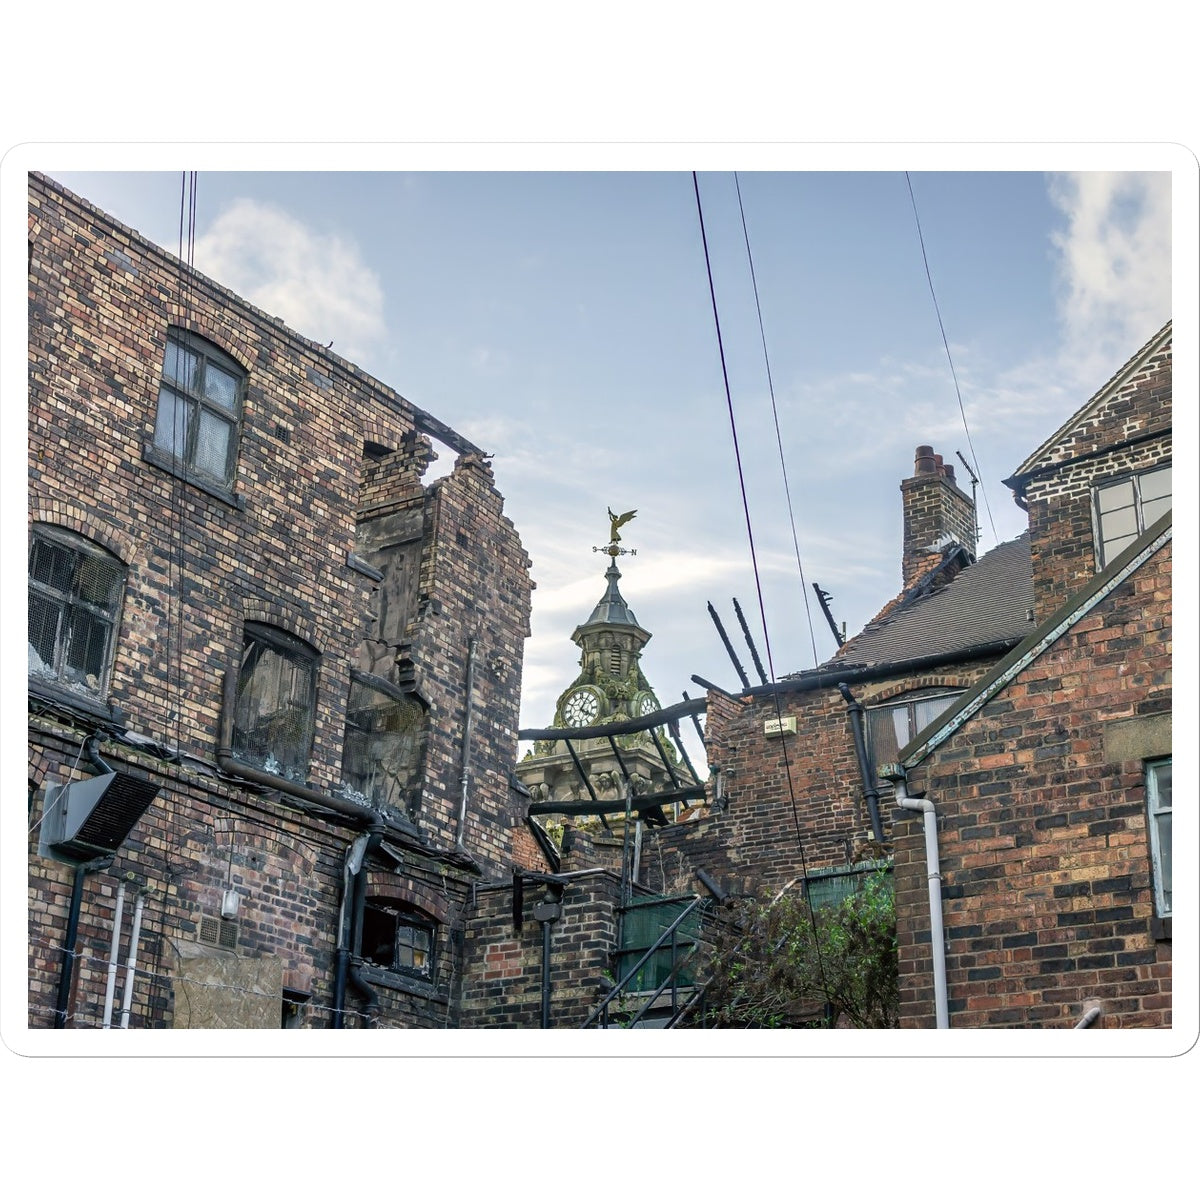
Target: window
<point>1158,803</point>
<point>75,592</point>
<point>397,938</point>
<point>385,731</point>
<point>1125,509</point>
<point>827,887</point>
<point>893,725</point>
<point>276,699</point>
<point>199,408</point>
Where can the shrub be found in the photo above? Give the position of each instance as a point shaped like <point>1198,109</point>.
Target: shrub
<point>784,965</point>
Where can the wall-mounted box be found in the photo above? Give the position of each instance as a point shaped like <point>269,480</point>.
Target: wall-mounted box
<point>778,727</point>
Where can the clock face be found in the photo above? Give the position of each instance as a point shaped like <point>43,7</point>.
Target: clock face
<point>581,707</point>
<point>644,704</point>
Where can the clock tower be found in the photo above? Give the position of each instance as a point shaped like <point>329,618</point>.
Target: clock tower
<point>610,689</point>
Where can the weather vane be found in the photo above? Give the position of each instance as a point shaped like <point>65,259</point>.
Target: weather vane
<point>615,523</point>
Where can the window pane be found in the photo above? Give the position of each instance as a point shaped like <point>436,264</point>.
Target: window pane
<point>180,364</point>
<point>881,735</point>
<point>1114,546</point>
<point>382,747</point>
<point>52,565</point>
<point>925,711</point>
<point>44,618</point>
<point>171,424</point>
<point>1162,785</point>
<point>1164,858</point>
<point>1116,495</point>
<point>99,582</point>
<point>1119,523</point>
<point>273,717</point>
<point>220,387</point>
<point>212,445</point>
<point>1156,485</point>
<point>1153,509</point>
<point>87,639</point>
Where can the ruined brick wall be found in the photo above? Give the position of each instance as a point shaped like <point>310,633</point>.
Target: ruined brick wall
<point>1129,431</point>
<point>503,964</point>
<point>760,842</point>
<point>277,546</point>
<point>1048,896</point>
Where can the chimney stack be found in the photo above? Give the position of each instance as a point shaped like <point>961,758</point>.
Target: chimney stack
<point>936,513</point>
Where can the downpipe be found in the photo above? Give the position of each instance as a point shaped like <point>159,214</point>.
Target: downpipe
<point>68,951</point>
<point>937,941</point>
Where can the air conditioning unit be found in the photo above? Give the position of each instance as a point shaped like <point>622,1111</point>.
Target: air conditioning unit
<point>93,817</point>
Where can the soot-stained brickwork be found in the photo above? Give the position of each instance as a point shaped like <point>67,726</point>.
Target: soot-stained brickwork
<point>274,533</point>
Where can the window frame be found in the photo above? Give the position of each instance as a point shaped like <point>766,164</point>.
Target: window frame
<point>287,646</point>
<point>71,603</point>
<point>1160,844</point>
<point>1103,545</point>
<point>193,397</point>
<point>905,700</point>
<point>357,738</point>
<point>403,916</point>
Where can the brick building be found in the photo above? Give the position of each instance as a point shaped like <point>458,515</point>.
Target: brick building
<point>274,678</point>
<point>1046,787</point>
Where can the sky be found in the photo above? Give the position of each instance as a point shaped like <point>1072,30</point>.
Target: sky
<point>563,321</point>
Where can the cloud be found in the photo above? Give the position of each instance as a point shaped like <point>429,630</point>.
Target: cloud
<point>1114,268</point>
<point>317,283</point>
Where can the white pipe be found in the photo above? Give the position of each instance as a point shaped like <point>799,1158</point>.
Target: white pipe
<point>937,941</point>
<point>113,956</point>
<point>134,934</point>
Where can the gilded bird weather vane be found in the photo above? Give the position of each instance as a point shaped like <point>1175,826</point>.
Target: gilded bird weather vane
<point>614,537</point>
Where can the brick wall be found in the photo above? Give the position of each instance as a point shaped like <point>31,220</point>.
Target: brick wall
<point>503,965</point>
<point>1048,896</point>
<point>318,439</point>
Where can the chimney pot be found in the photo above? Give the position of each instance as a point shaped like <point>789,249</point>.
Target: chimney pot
<point>926,462</point>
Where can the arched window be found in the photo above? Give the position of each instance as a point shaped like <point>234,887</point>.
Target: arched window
<point>199,409</point>
<point>276,701</point>
<point>398,938</point>
<point>75,590</point>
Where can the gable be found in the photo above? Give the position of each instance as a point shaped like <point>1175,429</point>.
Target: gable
<point>1134,405</point>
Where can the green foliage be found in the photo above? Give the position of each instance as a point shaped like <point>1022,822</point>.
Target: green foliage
<point>784,965</point>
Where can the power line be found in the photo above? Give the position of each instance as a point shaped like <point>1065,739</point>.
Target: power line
<point>775,414</point>
<point>949,358</point>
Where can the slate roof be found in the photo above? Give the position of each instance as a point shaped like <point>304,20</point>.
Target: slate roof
<point>988,601</point>
<point>611,609</point>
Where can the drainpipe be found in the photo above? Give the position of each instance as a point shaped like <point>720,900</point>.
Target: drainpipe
<point>870,791</point>
<point>468,724</point>
<point>68,950</point>
<point>134,934</point>
<point>937,942</point>
<point>114,955</point>
<point>547,912</point>
<point>354,898</point>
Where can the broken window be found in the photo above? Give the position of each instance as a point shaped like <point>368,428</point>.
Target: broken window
<point>893,725</point>
<point>199,408</point>
<point>398,937</point>
<point>276,700</point>
<point>75,589</point>
<point>1126,509</point>
<point>385,734</point>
